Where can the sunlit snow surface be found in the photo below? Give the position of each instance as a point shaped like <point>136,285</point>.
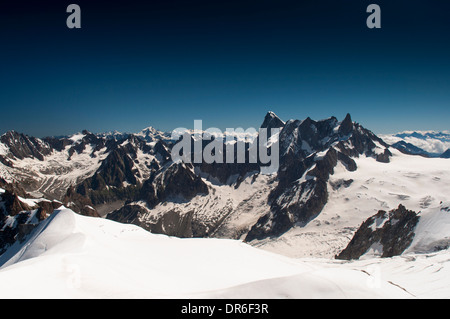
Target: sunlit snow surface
<point>72,256</point>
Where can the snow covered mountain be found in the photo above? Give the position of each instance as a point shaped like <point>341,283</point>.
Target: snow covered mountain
<point>333,175</point>
<point>150,134</point>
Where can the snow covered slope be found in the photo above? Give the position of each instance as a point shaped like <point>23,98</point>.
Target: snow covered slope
<point>73,256</point>
<point>432,231</point>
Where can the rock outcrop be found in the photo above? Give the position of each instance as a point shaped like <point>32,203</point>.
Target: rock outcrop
<point>384,234</point>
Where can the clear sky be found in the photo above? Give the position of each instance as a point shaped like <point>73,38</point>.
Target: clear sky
<point>165,63</point>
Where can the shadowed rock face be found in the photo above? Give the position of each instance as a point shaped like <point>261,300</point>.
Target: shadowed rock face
<point>272,121</point>
<point>178,180</point>
<point>389,233</point>
<point>21,146</point>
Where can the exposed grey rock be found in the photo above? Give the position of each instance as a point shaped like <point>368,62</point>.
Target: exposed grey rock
<point>391,233</point>
<point>271,120</point>
<point>341,183</point>
<point>175,180</point>
<point>172,223</point>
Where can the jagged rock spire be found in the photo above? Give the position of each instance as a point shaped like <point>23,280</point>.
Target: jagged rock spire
<point>271,120</point>
<point>346,125</point>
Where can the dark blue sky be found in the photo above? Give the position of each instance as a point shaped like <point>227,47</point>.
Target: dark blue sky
<point>165,63</point>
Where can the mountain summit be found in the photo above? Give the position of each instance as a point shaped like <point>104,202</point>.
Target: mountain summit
<point>271,120</point>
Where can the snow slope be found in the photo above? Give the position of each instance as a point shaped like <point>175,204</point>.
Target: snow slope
<point>72,256</point>
<point>414,275</point>
<point>433,230</point>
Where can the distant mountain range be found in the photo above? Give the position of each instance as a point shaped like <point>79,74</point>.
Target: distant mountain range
<point>425,143</point>
<point>333,174</point>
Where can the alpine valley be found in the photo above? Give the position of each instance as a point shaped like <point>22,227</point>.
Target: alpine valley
<point>346,215</point>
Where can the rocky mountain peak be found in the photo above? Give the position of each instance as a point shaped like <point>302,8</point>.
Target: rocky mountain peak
<point>150,134</point>
<point>85,132</point>
<point>271,120</point>
<point>346,126</point>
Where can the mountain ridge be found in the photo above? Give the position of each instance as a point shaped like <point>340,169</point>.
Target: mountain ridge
<point>131,178</point>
